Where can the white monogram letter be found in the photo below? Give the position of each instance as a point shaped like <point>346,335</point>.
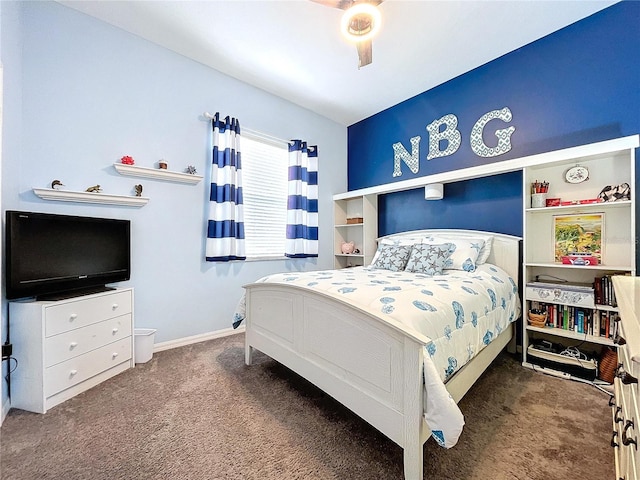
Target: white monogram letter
<point>401,154</point>
<point>504,135</point>
<point>449,134</point>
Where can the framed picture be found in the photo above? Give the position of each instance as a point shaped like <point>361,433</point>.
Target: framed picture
<point>578,238</point>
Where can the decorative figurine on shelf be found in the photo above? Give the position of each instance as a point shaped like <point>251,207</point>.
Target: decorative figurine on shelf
<point>94,189</point>
<point>138,189</point>
<point>127,160</point>
<point>56,184</point>
<point>347,248</point>
<point>191,170</point>
<point>163,165</point>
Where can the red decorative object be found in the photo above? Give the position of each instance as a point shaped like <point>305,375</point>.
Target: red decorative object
<point>127,160</point>
<point>575,258</point>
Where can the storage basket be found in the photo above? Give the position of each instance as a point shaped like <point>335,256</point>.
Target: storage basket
<point>608,364</point>
<point>537,319</point>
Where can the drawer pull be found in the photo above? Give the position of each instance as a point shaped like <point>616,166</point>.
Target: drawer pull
<point>114,306</point>
<point>626,378</point>
<point>614,435</point>
<point>612,401</point>
<point>618,370</point>
<point>73,316</point>
<point>626,440</point>
<point>114,355</point>
<point>115,330</point>
<point>618,418</point>
<point>72,373</point>
<point>619,340</point>
<point>73,345</point>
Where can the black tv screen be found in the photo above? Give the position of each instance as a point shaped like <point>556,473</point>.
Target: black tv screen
<point>61,255</point>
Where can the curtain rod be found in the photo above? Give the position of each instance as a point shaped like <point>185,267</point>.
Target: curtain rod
<point>254,133</point>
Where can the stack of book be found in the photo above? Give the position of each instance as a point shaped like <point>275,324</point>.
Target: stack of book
<point>603,291</point>
<point>599,323</point>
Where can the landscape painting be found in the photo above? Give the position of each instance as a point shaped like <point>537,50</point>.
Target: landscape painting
<point>580,233</point>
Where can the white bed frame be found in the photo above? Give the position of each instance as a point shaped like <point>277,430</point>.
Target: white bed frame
<point>374,367</point>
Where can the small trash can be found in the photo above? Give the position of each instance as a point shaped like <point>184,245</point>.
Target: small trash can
<point>144,338</point>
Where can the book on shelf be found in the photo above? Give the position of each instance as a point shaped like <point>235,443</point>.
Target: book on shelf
<point>588,321</point>
<point>603,290</point>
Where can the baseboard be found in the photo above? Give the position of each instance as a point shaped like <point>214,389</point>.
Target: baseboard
<point>6,406</point>
<point>203,337</point>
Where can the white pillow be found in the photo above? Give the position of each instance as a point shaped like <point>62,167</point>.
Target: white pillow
<point>486,249</point>
<point>464,253</point>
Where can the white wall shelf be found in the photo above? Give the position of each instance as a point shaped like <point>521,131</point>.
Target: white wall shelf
<point>594,150</point>
<point>90,197</point>
<point>156,174</point>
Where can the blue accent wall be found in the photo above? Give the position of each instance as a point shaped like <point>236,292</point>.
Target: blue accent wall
<point>576,86</point>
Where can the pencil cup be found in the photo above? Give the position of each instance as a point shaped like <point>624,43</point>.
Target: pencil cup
<point>538,200</point>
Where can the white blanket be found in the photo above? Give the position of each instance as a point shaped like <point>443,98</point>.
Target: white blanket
<point>461,312</point>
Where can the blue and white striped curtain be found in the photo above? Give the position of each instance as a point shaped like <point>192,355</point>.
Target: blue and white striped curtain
<point>302,205</point>
<point>225,227</point>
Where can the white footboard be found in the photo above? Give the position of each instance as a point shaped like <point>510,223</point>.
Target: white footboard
<point>373,368</point>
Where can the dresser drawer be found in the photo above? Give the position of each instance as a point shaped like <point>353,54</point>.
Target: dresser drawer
<point>59,348</point>
<point>67,374</point>
<point>86,311</point>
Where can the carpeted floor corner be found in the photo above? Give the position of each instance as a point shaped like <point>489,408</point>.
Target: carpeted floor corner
<point>197,412</point>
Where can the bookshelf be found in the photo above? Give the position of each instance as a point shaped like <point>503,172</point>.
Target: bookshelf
<point>363,232</point>
<point>577,297</point>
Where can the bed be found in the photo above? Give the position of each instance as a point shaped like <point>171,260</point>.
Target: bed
<point>368,353</point>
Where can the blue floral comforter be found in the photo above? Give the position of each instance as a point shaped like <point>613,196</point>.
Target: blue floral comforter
<point>461,312</point>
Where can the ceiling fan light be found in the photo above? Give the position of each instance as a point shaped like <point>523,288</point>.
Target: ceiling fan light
<point>361,22</point>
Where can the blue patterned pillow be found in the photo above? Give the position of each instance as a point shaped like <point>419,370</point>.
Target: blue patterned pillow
<point>392,257</point>
<point>428,258</point>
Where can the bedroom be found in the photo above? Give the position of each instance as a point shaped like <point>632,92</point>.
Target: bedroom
<point>74,108</point>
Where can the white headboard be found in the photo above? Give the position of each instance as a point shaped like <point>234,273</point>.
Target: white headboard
<point>505,249</point>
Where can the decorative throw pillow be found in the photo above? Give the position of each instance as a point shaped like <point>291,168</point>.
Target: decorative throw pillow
<point>392,257</point>
<point>464,253</point>
<point>428,258</point>
<point>395,241</point>
<point>485,251</point>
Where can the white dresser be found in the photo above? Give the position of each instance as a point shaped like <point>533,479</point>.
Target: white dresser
<point>65,347</point>
<point>626,418</point>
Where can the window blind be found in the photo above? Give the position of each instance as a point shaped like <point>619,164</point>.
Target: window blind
<point>264,170</point>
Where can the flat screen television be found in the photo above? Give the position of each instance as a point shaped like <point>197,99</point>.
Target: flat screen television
<point>57,256</point>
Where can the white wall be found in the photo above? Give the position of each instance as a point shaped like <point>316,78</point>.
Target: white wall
<point>80,93</point>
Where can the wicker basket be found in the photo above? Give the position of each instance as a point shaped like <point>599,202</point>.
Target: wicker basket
<point>608,364</point>
<point>537,319</point>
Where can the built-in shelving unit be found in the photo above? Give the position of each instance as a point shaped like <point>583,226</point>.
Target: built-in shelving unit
<point>362,234</point>
<point>157,174</point>
<point>90,197</point>
<point>609,163</point>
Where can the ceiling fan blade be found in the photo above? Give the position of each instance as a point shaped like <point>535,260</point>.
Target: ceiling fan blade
<point>365,54</point>
<point>341,4</point>
<point>344,4</point>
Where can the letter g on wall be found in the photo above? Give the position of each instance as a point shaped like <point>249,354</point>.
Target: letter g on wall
<point>504,135</point>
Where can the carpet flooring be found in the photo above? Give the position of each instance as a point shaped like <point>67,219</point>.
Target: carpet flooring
<point>198,413</point>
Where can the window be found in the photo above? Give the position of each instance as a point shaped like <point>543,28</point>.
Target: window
<point>265,189</point>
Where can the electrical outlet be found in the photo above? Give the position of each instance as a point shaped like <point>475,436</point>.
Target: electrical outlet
<point>7,351</point>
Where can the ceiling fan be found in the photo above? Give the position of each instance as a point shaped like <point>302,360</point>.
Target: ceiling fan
<point>360,23</point>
